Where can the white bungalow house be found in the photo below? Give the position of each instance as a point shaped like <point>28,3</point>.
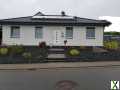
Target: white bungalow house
<point>53,29</point>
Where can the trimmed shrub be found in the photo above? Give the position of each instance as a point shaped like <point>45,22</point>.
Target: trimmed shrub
<point>112,45</point>
<point>3,51</point>
<point>73,52</point>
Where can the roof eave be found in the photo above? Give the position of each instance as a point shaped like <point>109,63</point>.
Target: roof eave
<point>55,23</point>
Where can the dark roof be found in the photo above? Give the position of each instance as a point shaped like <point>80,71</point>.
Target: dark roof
<point>76,21</point>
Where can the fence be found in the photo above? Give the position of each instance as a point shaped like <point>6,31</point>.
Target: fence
<point>112,37</point>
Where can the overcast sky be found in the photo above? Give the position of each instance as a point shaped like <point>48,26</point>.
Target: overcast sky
<point>82,8</point>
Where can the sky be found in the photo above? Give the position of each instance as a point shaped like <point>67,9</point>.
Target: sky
<point>82,8</point>
<point>115,26</point>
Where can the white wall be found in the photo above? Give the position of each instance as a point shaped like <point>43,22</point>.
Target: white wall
<point>27,36</point>
<point>79,37</point>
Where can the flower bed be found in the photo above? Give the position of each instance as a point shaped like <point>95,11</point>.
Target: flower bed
<point>19,54</point>
<point>92,56</point>
<point>87,55</point>
<point>34,54</point>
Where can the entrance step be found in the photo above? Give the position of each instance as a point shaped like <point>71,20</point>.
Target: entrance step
<point>56,50</point>
<point>56,56</point>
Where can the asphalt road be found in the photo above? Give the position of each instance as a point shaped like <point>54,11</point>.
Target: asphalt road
<point>86,78</point>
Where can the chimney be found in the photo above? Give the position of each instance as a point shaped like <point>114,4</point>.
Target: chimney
<point>63,13</point>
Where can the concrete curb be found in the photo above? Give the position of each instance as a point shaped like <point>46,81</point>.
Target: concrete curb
<point>58,65</point>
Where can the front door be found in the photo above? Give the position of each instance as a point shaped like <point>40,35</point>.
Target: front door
<point>59,37</point>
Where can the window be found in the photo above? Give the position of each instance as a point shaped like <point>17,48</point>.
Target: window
<point>69,32</point>
<point>15,32</point>
<point>90,33</point>
<point>38,32</point>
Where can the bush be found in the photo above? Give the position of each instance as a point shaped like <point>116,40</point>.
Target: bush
<point>111,45</point>
<point>15,49</point>
<point>73,52</point>
<point>3,51</point>
<point>27,55</point>
<point>42,45</point>
<point>43,49</point>
<point>112,33</point>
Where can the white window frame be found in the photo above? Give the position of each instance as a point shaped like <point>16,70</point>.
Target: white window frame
<point>71,32</point>
<point>13,33</point>
<point>38,35</point>
<point>90,32</point>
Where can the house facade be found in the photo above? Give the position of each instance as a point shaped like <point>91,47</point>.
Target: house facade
<point>55,30</point>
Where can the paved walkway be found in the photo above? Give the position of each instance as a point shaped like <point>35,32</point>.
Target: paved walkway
<point>57,65</point>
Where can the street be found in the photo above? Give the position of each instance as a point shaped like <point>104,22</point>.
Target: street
<point>97,78</point>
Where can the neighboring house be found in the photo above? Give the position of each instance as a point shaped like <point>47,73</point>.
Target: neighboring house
<point>53,29</point>
<point>111,37</point>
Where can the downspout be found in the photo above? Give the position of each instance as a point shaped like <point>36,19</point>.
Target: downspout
<point>1,34</point>
<point>103,35</point>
